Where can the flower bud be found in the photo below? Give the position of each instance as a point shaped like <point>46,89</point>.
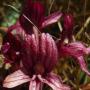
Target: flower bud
<point>68,22</point>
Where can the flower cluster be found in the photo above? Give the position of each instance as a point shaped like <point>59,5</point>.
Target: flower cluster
<point>36,53</point>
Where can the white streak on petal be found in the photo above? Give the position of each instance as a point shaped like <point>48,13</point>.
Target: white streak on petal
<point>32,85</point>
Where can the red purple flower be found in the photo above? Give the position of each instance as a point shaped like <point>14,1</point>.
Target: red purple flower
<point>38,58</point>
<point>77,50</point>
<point>35,12</point>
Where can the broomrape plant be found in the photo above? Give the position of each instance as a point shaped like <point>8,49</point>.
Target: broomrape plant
<point>35,54</point>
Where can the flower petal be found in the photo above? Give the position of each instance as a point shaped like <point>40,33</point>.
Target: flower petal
<point>83,65</point>
<point>15,79</point>
<point>35,85</point>
<point>53,18</point>
<point>52,54</point>
<point>54,82</point>
<point>77,50</point>
<point>73,49</point>
<point>35,12</point>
